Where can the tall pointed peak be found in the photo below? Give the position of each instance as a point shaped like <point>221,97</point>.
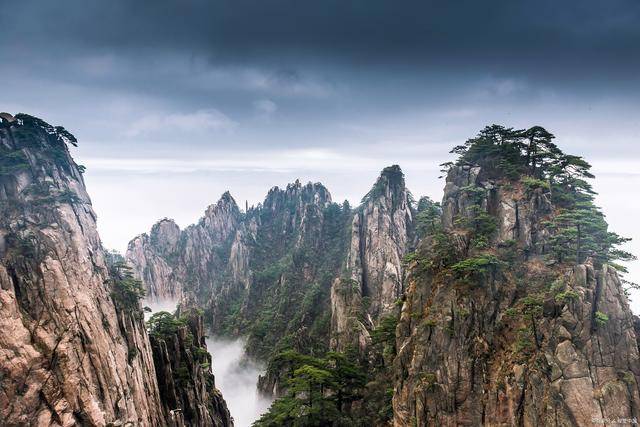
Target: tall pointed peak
<point>227,198</point>
<point>226,203</point>
<point>390,183</point>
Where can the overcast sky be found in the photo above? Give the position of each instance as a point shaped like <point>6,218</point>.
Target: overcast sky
<point>175,102</point>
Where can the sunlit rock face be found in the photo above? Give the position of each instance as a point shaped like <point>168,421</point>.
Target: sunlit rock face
<point>67,355</point>
<point>525,344</point>
<point>381,232</point>
<point>74,349</point>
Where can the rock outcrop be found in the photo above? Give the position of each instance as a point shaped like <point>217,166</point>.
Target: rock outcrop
<point>74,349</point>
<point>150,252</point>
<point>508,312</point>
<point>169,260</point>
<point>381,233</point>
<point>186,384</point>
<point>277,271</point>
<point>518,340</point>
<point>229,262</point>
<point>67,356</point>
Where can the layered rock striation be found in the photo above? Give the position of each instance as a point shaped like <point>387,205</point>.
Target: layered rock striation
<point>372,281</point>
<point>67,355</point>
<point>74,349</point>
<point>187,386</point>
<point>496,331</point>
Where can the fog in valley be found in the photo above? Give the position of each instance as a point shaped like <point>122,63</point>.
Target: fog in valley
<point>236,378</point>
<point>157,305</point>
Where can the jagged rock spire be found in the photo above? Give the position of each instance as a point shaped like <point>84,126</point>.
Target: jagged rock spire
<point>381,234</point>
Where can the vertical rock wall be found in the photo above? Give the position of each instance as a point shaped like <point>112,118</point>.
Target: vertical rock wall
<point>522,344</point>
<point>65,356</point>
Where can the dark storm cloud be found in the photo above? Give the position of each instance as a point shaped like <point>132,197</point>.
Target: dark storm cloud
<point>591,32</point>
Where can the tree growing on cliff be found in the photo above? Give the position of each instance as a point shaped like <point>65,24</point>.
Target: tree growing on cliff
<point>428,217</point>
<point>319,391</point>
<point>126,291</point>
<point>578,228</point>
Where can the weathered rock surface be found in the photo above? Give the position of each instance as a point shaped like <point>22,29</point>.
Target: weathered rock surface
<point>74,349</point>
<point>212,262</point>
<point>523,345</point>
<point>169,260</point>
<point>150,252</point>
<point>186,384</point>
<point>65,352</point>
<point>381,233</point>
<point>277,271</point>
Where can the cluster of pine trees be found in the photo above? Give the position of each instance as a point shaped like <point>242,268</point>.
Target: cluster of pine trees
<point>578,228</point>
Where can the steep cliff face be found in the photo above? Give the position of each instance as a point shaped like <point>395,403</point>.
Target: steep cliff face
<point>381,234</point>
<point>297,272</point>
<point>74,348</point>
<point>150,252</point>
<point>187,386</point>
<point>67,355</point>
<point>169,260</point>
<point>214,262</point>
<point>497,328</point>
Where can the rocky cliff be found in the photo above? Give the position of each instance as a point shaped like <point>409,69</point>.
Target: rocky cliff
<point>74,348</point>
<point>231,261</point>
<point>502,305</point>
<point>499,327</point>
<point>297,245</point>
<point>296,272</point>
<point>187,386</point>
<point>67,355</point>
<point>372,282</point>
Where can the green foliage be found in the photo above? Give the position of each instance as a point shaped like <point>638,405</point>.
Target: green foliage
<point>478,221</point>
<point>580,231</point>
<point>318,390</point>
<point>566,296</point>
<point>428,380</point>
<point>436,253</point>
<point>476,266</point>
<point>531,306</point>
<point>533,183</point>
<point>384,336</point>
<point>427,220</point>
<point>131,354</point>
<point>12,162</point>
<point>164,324</point>
<point>126,291</point>
<point>511,312</point>
<point>287,305</point>
<point>524,343</point>
<point>601,318</point>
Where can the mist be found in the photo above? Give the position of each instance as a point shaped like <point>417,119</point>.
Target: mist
<point>236,378</point>
<point>157,305</point>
